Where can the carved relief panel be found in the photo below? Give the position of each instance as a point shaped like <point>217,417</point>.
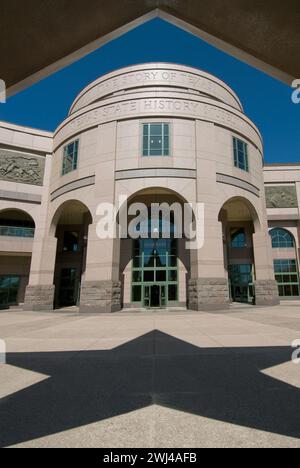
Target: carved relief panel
<point>21,167</point>
<point>281,197</point>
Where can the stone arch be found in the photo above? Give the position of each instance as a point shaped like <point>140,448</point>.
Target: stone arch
<point>77,207</point>
<point>244,209</point>
<point>240,221</point>
<point>148,195</point>
<point>15,258</point>
<point>70,226</point>
<point>17,214</point>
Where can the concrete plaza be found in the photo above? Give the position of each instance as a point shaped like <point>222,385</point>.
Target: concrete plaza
<point>151,379</point>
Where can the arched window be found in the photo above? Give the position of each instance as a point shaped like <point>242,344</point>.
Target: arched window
<point>281,239</point>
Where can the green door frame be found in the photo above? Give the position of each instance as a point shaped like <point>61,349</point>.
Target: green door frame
<point>138,276</point>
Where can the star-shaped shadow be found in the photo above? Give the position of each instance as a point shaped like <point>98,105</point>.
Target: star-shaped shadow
<point>225,384</point>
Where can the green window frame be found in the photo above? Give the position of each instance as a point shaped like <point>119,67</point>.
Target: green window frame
<point>240,151</point>
<point>70,157</point>
<point>154,269</point>
<point>287,277</point>
<point>282,239</point>
<point>156,139</point>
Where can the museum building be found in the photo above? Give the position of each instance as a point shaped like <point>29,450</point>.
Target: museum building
<point>151,133</point>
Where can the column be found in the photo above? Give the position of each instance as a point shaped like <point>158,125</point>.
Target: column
<point>101,287</point>
<point>208,286</point>
<point>40,290</point>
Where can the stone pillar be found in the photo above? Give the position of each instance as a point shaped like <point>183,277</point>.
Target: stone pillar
<point>40,290</point>
<point>100,287</point>
<point>208,286</point>
<point>266,288</point>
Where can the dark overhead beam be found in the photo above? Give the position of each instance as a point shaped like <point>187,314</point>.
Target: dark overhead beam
<point>39,37</point>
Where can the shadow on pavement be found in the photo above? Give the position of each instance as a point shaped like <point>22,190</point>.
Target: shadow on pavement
<point>224,384</point>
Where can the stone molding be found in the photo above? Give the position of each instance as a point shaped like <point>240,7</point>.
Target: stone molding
<point>75,185</point>
<point>156,172</point>
<point>242,184</point>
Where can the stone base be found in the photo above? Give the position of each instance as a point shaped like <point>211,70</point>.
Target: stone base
<point>100,297</point>
<point>266,293</point>
<point>39,297</point>
<point>208,294</point>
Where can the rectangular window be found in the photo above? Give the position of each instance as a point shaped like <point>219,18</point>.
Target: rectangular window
<point>9,288</point>
<point>71,241</point>
<point>70,157</point>
<point>286,274</point>
<point>240,149</point>
<point>156,139</point>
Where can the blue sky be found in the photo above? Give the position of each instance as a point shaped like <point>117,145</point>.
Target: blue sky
<point>266,101</point>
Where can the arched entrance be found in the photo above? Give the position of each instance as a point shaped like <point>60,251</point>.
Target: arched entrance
<point>70,225</point>
<point>239,221</point>
<point>17,230</point>
<point>155,267</point>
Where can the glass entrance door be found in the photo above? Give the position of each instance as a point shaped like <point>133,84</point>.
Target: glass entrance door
<point>155,296</point>
<point>155,272</point>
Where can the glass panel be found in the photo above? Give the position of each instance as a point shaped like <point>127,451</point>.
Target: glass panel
<point>172,275</point>
<point>137,277</point>
<point>238,238</point>
<point>156,139</point>
<point>161,275</point>
<point>70,157</point>
<point>71,241</point>
<point>172,292</point>
<point>281,239</point>
<point>173,261</point>
<point>163,298</point>
<point>136,293</point>
<point>9,288</point>
<point>287,277</point>
<point>154,269</point>
<point>67,289</point>
<point>240,149</point>
<point>148,276</point>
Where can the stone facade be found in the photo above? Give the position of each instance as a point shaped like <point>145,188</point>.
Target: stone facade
<point>205,118</point>
<point>208,294</point>
<point>266,293</point>
<point>39,297</point>
<point>100,296</point>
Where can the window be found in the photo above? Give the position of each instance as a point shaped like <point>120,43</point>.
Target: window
<point>16,228</point>
<point>156,139</point>
<point>9,288</point>
<point>70,157</point>
<point>281,239</point>
<point>155,262</point>
<point>240,149</point>
<point>286,274</point>
<point>71,241</point>
<point>238,238</point>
